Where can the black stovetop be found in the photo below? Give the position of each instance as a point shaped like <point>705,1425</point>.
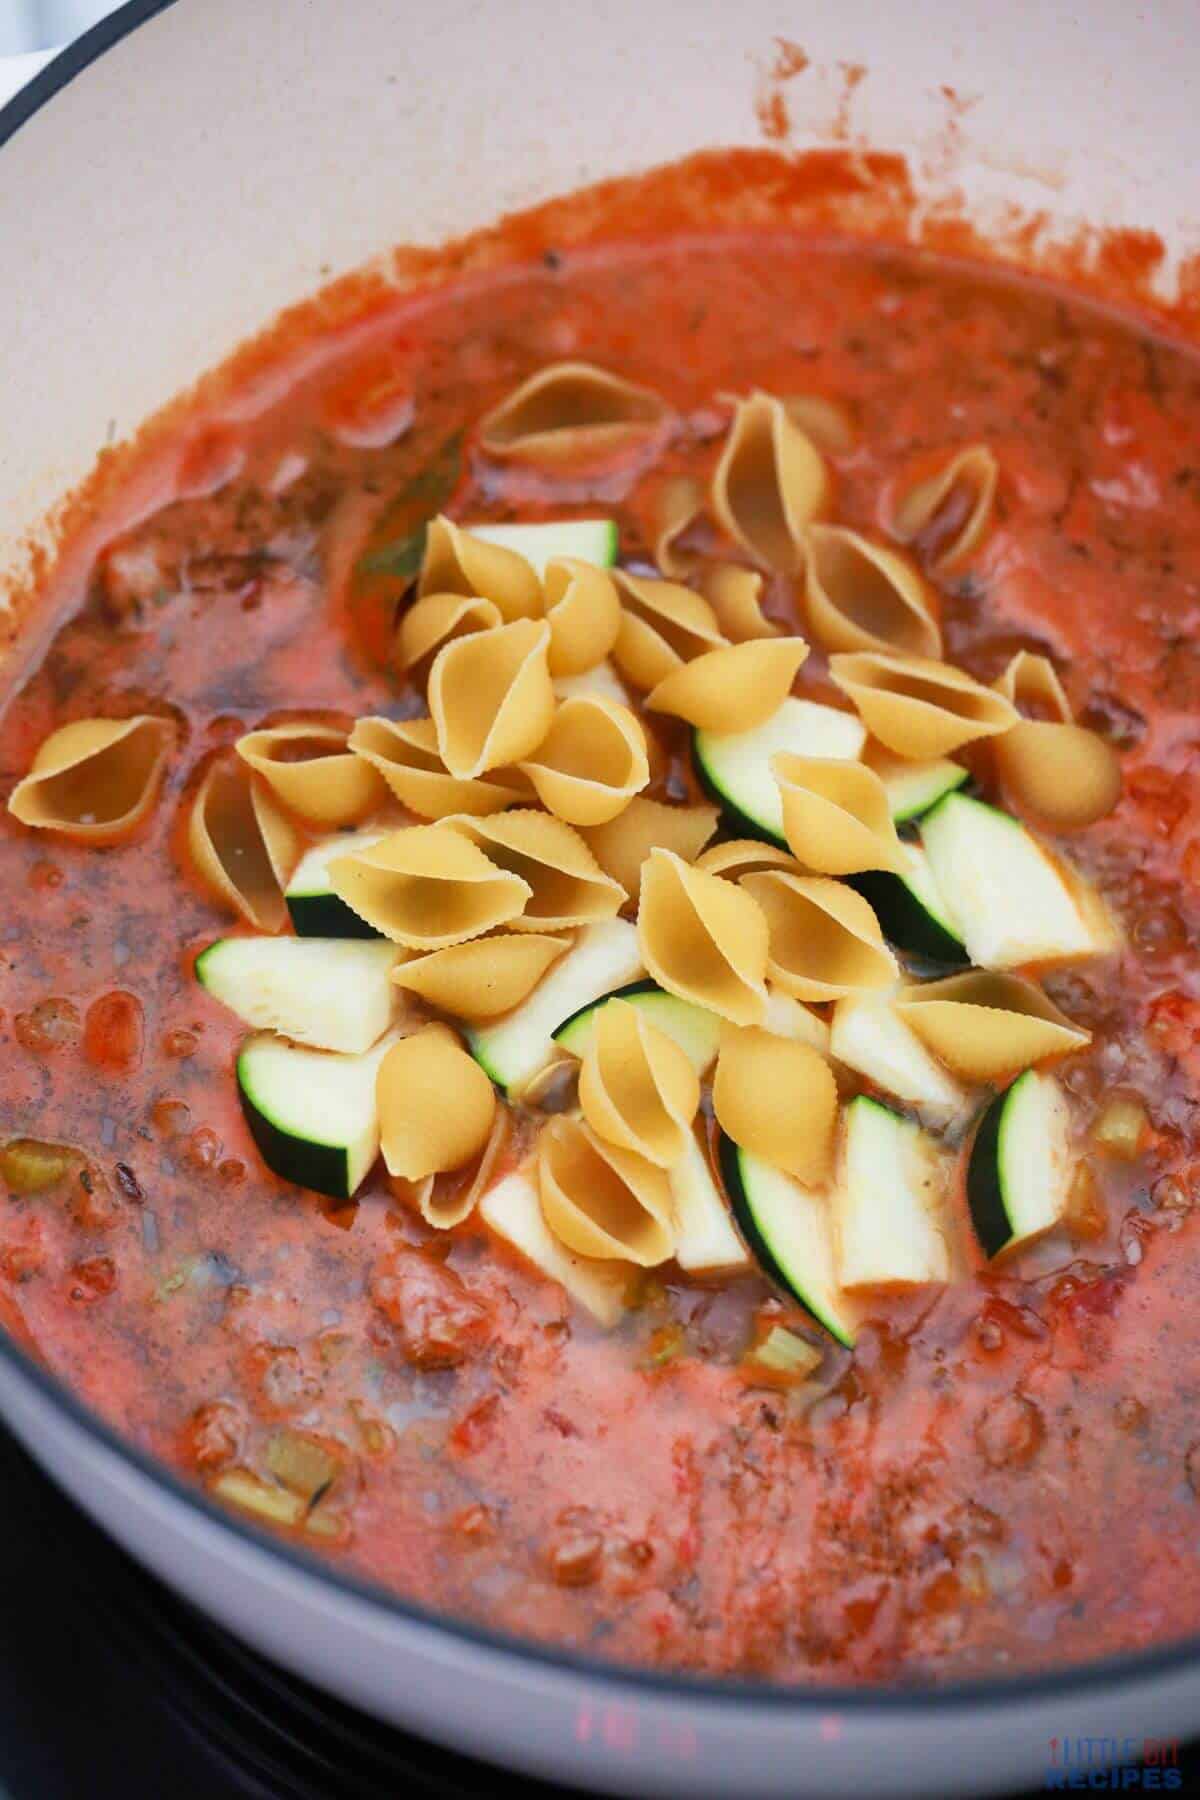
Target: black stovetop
<point>111,1686</point>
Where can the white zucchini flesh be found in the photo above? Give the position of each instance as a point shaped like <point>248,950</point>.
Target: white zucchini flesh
<point>312,1113</point>
<point>914,788</point>
<point>514,1212</point>
<point>788,1017</point>
<point>605,956</point>
<point>696,1030</point>
<point>705,1236</point>
<point>327,993</point>
<point>1009,901</point>
<point>736,767</point>
<point>588,540</point>
<point>1020,1169</point>
<point>315,909</point>
<point>789,1228</point>
<point>869,1036</point>
<point>888,1201</point>
<point>603,681</point>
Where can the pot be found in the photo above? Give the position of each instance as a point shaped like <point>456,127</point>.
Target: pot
<point>190,168</point>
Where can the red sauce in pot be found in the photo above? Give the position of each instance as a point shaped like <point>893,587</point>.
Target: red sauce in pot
<point>1004,1473</point>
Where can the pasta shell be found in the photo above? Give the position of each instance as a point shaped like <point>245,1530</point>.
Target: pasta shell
<point>860,596</point>
<point>591,763</point>
<point>677,505</point>
<point>703,938</point>
<point>776,1098</point>
<point>566,884</point>
<point>311,768</point>
<point>1066,775</point>
<point>95,780</point>
<point>770,484</point>
<point>732,689</point>
<point>945,515</point>
<point>917,708</point>
<point>571,412</point>
<point>583,613</point>
<point>405,753</point>
<point>491,697</point>
<point>436,1105</point>
<point>662,625</point>
<point>622,846</point>
<point>483,978</point>
<point>446,1199</point>
<point>457,562</point>
<point>825,940</point>
<point>426,886</point>
<point>836,816</point>
<point>601,1201</point>
<point>735,595</point>
<point>745,856</point>
<point>438,619</point>
<point>243,845</point>
<point>637,1088</point>
<point>827,422</point>
<point>986,1026</point>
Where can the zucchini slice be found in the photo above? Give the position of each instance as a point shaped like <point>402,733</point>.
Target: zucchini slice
<point>1020,1167</point>
<point>788,1017</point>
<point>514,1212</point>
<point>705,1238</point>
<point>588,540</point>
<point>696,1030</point>
<point>869,1036</point>
<point>328,993</point>
<point>735,769</point>
<point>913,789</point>
<point>315,909</point>
<point>312,1113</point>
<point>1011,902</point>
<point>912,913</point>
<point>603,680</point>
<point>788,1228</point>
<point>604,957</point>
<point>888,1201</point>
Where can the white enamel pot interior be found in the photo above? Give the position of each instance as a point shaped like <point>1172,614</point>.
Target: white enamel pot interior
<point>166,188</point>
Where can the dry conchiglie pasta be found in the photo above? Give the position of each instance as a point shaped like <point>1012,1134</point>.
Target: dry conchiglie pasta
<point>776,1098</point>
<point>622,846</point>
<point>243,844</point>
<point>566,884</point>
<point>95,780</point>
<point>662,625</point>
<point>436,1105</point>
<point>601,1201</point>
<point>483,978</point>
<point>734,688</point>
<point>986,1026</point>
<point>836,816</point>
<point>827,422</point>
<point>825,940</point>
<point>860,596</point>
<point>491,697</point>
<point>591,762</point>
<point>571,412</point>
<point>583,613</point>
<point>1068,776</point>
<point>735,595</point>
<point>637,1088</point>
<point>703,939</point>
<point>427,886</point>
<point>311,768</point>
<point>449,1197</point>
<point>405,753</point>
<point>770,484</point>
<point>457,562</point>
<point>735,857</point>
<point>677,505</point>
<point>946,514</point>
<point>436,620</point>
<point>918,708</point>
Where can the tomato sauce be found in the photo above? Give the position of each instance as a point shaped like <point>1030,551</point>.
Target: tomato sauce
<point>1004,1474</point>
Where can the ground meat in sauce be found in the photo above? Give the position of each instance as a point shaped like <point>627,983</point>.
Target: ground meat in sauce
<point>1003,1473</point>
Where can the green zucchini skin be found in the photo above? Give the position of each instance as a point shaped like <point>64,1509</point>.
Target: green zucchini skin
<point>907,924</point>
<point>321,1167</point>
<point>734,822</point>
<point>985,1192</point>
<point>645,986</point>
<point>729,1167</point>
<point>324,915</point>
